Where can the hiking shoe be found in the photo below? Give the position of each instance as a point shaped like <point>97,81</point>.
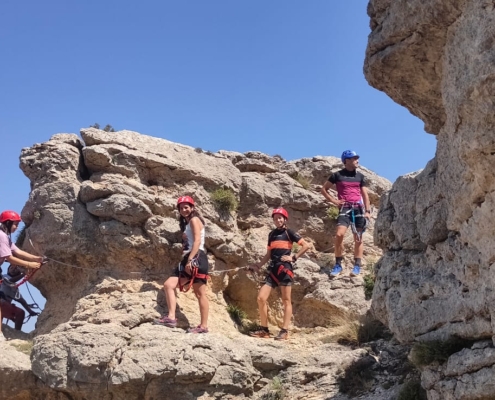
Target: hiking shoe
<point>198,329</point>
<point>337,269</point>
<point>282,335</point>
<point>166,321</point>
<point>356,270</point>
<point>260,333</point>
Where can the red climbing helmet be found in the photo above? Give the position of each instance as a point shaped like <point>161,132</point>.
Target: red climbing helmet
<point>10,216</point>
<point>281,211</point>
<point>185,199</point>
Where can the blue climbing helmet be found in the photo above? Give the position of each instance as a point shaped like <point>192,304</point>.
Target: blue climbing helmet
<point>348,154</point>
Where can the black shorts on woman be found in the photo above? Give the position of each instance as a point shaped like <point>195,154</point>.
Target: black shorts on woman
<point>280,242</point>
<point>202,260</point>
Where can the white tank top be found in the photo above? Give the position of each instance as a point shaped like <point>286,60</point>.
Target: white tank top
<point>188,239</point>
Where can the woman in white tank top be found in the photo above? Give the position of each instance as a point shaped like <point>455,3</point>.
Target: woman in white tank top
<point>193,269</point>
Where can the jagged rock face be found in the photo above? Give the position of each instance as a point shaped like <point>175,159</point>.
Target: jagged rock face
<point>104,211</point>
<point>436,278</point>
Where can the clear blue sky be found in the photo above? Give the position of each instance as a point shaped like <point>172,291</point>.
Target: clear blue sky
<point>281,77</point>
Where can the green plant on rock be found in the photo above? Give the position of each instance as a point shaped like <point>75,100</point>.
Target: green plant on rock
<point>412,390</point>
<point>224,200</point>
<point>295,248</point>
<point>368,285</point>
<point>236,313</point>
<point>277,390</point>
<point>333,212</point>
<point>303,180</point>
<point>426,353</point>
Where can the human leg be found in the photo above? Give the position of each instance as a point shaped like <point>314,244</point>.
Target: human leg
<point>19,315</point>
<point>169,287</point>
<point>262,298</point>
<point>339,249</point>
<point>200,292</point>
<point>287,304</point>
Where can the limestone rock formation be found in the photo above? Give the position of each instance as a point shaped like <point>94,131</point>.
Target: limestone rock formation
<point>103,210</point>
<point>436,278</point>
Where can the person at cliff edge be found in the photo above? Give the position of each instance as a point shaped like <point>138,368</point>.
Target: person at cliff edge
<point>193,269</point>
<point>9,221</point>
<point>354,208</point>
<point>279,273</point>
<point>9,291</point>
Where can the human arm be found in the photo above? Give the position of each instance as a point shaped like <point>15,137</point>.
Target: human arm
<point>366,201</point>
<point>23,263</point>
<point>26,256</point>
<point>324,191</point>
<point>257,266</point>
<point>303,248</point>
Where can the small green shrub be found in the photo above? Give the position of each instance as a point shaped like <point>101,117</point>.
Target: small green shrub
<point>295,247</point>
<point>236,313</point>
<point>25,347</point>
<point>333,212</point>
<point>277,390</point>
<point>303,180</point>
<point>368,285</point>
<point>224,200</point>
<point>326,259</point>
<point>412,390</point>
<point>426,353</point>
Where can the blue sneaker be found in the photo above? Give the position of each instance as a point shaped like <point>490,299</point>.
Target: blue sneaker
<point>356,270</point>
<point>337,269</point>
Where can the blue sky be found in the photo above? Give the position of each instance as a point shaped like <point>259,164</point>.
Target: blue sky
<point>281,77</point>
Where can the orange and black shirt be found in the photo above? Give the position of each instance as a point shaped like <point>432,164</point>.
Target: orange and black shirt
<point>280,242</point>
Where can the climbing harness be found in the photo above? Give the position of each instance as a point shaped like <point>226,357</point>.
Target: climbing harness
<point>351,212</point>
<point>281,269</point>
<point>184,286</point>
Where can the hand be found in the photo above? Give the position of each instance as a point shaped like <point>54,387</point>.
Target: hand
<point>255,268</point>
<point>188,268</point>
<point>40,259</point>
<point>367,214</point>
<point>286,258</point>
<point>33,265</point>
<point>339,203</point>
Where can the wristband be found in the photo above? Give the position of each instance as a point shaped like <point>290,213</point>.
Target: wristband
<point>294,258</point>
<point>368,211</point>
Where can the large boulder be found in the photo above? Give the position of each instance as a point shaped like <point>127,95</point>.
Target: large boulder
<point>436,278</point>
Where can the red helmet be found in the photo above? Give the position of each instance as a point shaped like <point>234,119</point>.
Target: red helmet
<point>281,211</point>
<point>10,216</point>
<point>185,199</point>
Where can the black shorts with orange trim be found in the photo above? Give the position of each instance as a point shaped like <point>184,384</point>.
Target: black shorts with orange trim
<point>280,274</point>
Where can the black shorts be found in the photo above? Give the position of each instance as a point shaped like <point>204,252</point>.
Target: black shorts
<point>345,217</point>
<point>280,276</point>
<point>202,269</point>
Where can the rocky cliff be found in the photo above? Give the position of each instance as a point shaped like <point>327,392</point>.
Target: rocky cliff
<point>436,278</point>
<point>103,210</point>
